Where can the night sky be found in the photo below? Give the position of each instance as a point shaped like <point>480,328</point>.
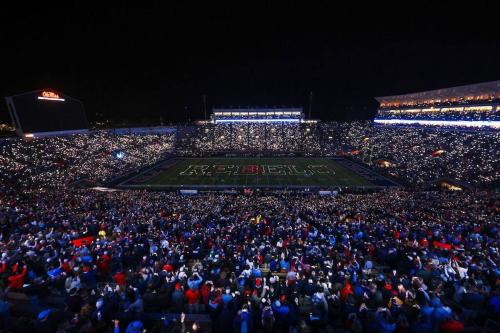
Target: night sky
<point>140,61</point>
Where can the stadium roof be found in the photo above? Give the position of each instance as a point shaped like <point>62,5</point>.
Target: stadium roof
<point>473,92</point>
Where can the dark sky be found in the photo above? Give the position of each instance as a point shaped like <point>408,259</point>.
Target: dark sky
<point>142,60</point>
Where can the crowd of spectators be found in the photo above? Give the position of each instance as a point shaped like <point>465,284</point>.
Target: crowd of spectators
<point>464,110</point>
<point>383,262</point>
<point>57,161</point>
<point>421,155</point>
<point>252,138</point>
<point>401,260</point>
<point>417,155</point>
<point>445,114</point>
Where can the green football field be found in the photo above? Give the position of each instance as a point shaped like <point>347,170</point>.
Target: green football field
<point>251,171</point>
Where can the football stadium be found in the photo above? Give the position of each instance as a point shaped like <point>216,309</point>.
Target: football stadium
<point>245,209</point>
<point>188,173</point>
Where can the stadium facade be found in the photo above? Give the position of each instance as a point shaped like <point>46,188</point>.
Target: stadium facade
<point>475,105</point>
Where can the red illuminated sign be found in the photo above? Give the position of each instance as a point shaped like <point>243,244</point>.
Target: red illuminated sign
<point>50,95</point>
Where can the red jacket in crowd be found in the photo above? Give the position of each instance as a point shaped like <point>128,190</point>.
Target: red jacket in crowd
<point>451,326</point>
<point>103,264</point>
<point>120,279</point>
<point>16,281</point>
<point>3,268</point>
<point>192,296</point>
<point>205,293</point>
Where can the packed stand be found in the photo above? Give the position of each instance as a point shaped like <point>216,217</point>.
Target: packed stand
<point>407,261</point>
<point>282,138</point>
<point>442,115</point>
<point>417,155</point>
<point>463,110</point>
<point>97,157</point>
<point>424,155</point>
<point>385,262</point>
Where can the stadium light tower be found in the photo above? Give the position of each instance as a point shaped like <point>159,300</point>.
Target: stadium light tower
<point>204,98</point>
<point>310,103</point>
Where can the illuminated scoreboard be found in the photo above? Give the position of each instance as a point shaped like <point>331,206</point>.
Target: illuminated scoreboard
<point>46,112</point>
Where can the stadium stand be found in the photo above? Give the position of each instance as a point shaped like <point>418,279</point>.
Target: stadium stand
<point>57,161</point>
<point>415,258</point>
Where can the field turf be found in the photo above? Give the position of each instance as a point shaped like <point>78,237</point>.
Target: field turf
<point>249,171</point>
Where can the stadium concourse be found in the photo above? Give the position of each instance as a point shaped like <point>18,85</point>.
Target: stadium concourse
<point>416,258</point>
